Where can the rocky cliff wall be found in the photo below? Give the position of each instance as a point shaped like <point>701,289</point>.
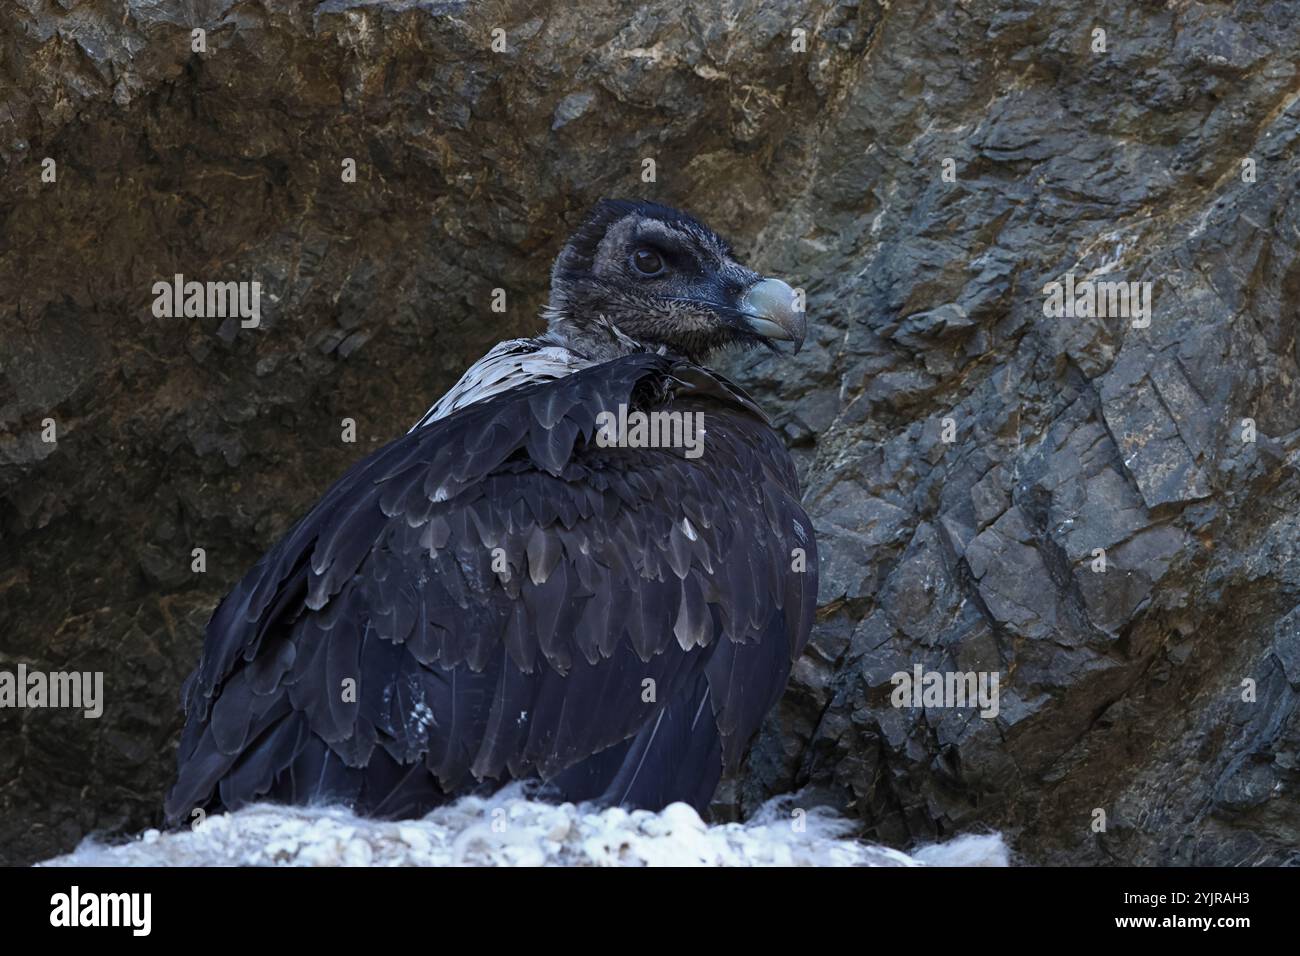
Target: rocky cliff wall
<point>922,169</point>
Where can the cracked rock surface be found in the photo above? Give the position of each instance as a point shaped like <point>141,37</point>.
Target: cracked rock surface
<point>966,457</point>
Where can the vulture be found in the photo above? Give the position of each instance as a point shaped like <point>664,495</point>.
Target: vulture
<point>527,586</point>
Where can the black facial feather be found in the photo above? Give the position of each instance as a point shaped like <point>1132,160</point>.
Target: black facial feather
<point>660,276</point>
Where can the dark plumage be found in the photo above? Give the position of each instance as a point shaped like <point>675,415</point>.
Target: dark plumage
<point>498,590</point>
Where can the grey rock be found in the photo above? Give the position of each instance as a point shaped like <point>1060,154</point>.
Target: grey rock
<point>968,546</point>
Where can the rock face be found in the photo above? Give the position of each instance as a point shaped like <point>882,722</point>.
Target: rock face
<point>971,455</point>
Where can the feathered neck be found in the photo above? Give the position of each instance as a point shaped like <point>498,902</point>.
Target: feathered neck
<point>596,339</point>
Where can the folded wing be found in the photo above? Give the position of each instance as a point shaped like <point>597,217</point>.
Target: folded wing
<point>496,596</point>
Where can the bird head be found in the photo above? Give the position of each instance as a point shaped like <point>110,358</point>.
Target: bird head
<point>663,278</point>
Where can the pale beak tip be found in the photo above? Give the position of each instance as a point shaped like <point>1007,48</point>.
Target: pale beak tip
<point>770,308</point>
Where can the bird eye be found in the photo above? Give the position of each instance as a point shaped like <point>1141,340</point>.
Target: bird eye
<point>647,262</point>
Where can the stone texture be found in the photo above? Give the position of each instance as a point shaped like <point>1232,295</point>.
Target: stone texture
<point>1121,691</point>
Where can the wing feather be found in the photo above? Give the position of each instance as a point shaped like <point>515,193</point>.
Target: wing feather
<point>509,599</point>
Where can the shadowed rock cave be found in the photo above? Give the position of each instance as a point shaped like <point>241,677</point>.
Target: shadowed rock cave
<point>964,455</point>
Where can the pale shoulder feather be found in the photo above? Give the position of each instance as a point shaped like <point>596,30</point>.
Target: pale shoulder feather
<point>512,364</point>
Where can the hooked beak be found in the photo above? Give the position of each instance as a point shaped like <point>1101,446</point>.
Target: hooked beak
<point>769,309</point>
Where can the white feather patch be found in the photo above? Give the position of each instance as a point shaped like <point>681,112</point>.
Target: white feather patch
<point>511,364</point>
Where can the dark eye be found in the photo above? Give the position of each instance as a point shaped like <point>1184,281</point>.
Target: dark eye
<point>647,262</point>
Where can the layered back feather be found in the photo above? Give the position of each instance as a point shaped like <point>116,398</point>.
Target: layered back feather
<point>495,596</point>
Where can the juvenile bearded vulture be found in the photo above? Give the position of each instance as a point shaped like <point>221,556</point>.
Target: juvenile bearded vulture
<point>524,587</point>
